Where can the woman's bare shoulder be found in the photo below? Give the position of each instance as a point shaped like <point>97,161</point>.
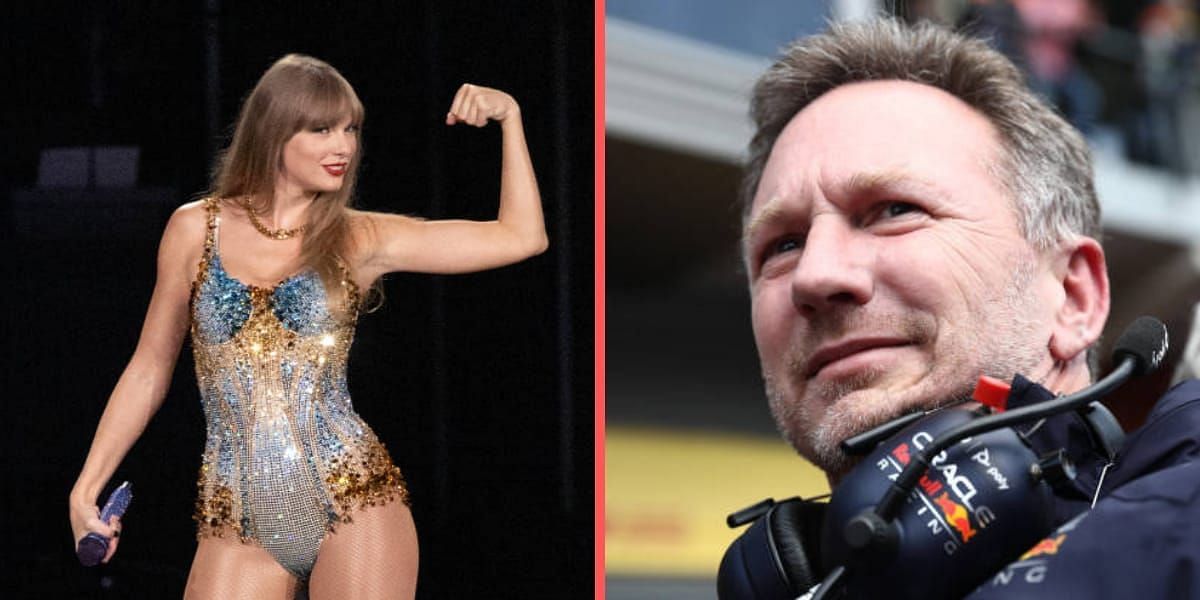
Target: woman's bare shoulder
<point>195,210</point>
<point>370,233</point>
<point>183,238</point>
<point>189,220</point>
<point>363,231</point>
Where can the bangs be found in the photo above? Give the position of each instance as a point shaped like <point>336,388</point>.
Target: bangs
<point>330,101</point>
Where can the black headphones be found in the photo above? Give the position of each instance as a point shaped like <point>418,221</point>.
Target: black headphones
<point>941,501</point>
<point>779,556</point>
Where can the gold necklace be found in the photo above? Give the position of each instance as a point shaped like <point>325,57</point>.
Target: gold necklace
<point>275,234</point>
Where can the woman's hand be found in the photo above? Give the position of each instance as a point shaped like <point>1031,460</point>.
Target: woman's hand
<point>85,518</point>
<point>475,105</point>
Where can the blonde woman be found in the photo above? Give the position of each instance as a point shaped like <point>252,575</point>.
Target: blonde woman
<point>268,275</point>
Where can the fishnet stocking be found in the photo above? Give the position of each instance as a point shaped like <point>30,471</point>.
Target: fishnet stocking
<point>225,568</point>
<point>372,557</point>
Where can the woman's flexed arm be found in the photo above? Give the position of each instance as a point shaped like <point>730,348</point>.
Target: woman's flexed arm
<point>144,383</point>
<point>402,243</point>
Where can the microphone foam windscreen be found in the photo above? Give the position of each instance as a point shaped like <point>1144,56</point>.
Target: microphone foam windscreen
<point>1146,341</point>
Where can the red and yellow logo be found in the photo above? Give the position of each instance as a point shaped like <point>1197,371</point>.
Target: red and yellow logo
<point>1046,546</point>
<point>956,516</point>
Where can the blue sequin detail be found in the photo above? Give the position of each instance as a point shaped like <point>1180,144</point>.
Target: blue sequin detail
<point>299,303</point>
<point>222,304</point>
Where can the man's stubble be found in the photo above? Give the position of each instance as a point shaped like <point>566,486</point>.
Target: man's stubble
<point>816,428</point>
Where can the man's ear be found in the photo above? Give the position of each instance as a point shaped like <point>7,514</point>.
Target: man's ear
<point>1083,274</point>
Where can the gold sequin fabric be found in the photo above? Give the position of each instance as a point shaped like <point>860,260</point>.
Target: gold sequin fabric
<point>287,458</point>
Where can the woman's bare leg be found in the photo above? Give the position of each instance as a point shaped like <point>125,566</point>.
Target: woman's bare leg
<point>373,556</point>
<point>226,568</point>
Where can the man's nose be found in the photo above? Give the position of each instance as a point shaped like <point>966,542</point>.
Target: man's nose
<point>834,269</point>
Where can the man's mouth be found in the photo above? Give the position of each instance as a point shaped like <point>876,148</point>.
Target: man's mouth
<point>842,352</point>
<point>336,169</point>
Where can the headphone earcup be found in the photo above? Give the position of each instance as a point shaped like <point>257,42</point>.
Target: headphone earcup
<point>796,531</point>
<point>772,560</point>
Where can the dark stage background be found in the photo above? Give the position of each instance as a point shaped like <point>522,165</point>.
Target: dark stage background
<point>480,385</point>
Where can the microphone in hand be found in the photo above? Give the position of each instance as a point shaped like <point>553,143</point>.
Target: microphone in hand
<point>94,546</point>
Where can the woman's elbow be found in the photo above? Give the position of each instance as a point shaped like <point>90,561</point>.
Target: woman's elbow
<point>521,245</point>
<point>539,245</point>
<point>530,243</point>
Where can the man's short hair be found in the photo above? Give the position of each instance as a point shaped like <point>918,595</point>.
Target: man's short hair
<point>1044,163</point>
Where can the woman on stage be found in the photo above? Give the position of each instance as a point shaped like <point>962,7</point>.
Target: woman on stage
<point>269,274</point>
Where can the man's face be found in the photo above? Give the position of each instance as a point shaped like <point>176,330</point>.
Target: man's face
<point>887,270</point>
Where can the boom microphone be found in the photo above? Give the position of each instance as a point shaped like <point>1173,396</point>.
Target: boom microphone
<point>1144,341</point>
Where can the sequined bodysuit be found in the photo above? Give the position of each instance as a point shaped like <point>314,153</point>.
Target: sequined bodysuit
<point>286,458</point>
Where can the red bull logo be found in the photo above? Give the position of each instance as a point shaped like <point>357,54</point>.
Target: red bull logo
<point>929,486</point>
<point>956,516</point>
<point>1046,546</point>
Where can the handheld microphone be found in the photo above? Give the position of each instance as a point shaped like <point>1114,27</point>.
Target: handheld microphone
<point>94,546</point>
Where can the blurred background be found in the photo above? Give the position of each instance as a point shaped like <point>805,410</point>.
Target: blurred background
<point>689,436</point>
<point>480,385</point>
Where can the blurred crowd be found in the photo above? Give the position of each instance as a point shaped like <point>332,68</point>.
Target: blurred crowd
<point>1126,72</point>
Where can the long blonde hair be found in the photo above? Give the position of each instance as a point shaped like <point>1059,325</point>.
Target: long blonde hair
<point>297,92</point>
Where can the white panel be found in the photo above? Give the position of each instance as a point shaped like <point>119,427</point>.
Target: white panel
<point>855,10</point>
<point>1148,202</point>
<point>672,91</point>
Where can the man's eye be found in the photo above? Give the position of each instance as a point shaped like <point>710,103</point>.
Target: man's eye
<point>895,209</point>
<point>781,246</point>
<point>885,212</point>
